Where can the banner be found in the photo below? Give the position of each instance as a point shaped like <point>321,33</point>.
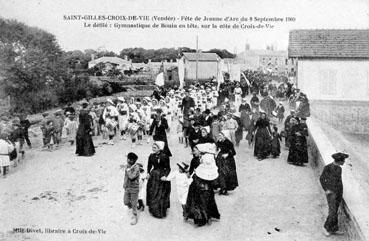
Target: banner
<point>160,79</point>
<point>244,76</point>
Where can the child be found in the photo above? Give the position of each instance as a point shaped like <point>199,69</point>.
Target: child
<point>110,124</point>
<point>142,181</point>
<point>58,127</point>
<point>276,146</point>
<point>17,138</point>
<point>183,182</point>
<point>6,147</point>
<point>280,112</point>
<point>71,128</point>
<point>26,124</point>
<point>132,130</point>
<point>43,128</point>
<point>131,185</point>
<point>180,129</point>
<point>49,135</point>
<point>140,130</point>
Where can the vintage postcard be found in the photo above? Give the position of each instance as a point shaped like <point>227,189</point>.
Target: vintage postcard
<point>184,120</point>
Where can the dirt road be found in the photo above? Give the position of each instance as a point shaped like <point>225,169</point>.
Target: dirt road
<point>62,192</point>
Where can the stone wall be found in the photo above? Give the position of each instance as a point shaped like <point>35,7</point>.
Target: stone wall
<point>348,116</point>
<point>352,220</point>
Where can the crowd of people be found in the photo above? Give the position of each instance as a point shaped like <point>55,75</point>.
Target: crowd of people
<point>209,120</point>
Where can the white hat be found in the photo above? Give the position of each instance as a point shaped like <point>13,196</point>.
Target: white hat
<point>207,148</point>
<point>237,114</point>
<point>207,128</point>
<point>110,101</point>
<point>160,144</point>
<point>121,98</point>
<point>207,170</point>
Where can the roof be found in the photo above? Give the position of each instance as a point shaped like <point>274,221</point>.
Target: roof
<point>113,60</point>
<point>329,43</point>
<point>262,52</point>
<point>201,56</point>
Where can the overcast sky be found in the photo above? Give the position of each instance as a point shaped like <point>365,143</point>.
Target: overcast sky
<point>311,14</point>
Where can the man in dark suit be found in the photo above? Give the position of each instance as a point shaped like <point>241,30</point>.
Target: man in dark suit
<point>331,181</point>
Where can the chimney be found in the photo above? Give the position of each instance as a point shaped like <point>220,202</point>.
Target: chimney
<point>125,57</point>
<point>92,57</point>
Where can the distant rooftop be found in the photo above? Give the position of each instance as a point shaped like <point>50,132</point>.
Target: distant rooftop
<point>113,60</point>
<point>262,52</point>
<point>201,56</point>
<point>329,43</point>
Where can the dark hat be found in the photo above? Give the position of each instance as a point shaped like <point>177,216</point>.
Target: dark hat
<point>339,156</point>
<point>196,123</point>
<point>207,111</point>
<point>183,166</point>
<point>303,118</point>
<point>132,156</point>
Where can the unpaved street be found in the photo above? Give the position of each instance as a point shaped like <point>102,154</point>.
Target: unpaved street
<point>58,190</point>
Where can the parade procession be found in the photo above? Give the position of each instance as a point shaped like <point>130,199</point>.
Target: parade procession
<point>210,120</point>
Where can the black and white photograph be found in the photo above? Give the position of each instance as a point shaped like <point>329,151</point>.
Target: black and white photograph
<point>184,120</point>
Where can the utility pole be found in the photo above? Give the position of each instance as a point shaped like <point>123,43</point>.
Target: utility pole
<point>197,57</point>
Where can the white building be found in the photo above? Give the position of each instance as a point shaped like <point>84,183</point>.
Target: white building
<point>333,70</point>
<point>204,66</point>
<point>121,64</point>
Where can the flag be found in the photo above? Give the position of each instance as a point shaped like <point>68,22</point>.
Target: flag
<point>160,79</point>
<point>247,81</point>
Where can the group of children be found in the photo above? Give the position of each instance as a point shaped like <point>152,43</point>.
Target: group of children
<point>57,126</point>
<point>135,180</point>
<point>13,136</point>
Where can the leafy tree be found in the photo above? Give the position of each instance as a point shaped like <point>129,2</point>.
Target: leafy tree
<point>31,66</point>
<point>223,53</point>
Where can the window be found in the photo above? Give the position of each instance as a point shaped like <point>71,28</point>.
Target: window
<point>328,82</point>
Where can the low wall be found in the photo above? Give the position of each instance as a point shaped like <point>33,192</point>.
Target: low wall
<point>354,213</point>
<point>349,116</point>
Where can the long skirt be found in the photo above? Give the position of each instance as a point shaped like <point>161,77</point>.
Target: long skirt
<point>122,122</point>
<point>275,147</point>
<point>227,179</point>
<point>85,146</point>
<point>201,205</point>
<point>237,100</point>
<point>298,154</point>
<point>157,195</point>
<point>262,143</point>
<point>238,135</point>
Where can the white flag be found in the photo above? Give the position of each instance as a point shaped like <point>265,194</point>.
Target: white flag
<point>247,81</point>
<point>160,79</point>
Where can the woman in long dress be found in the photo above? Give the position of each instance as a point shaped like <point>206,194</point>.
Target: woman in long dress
<point>298,154</point>
<point>262,137</point>
<point>201,205</point>
<point>158,191</point>
<point>226,165</point>
<point>84,144</point>
<point>158,128</point>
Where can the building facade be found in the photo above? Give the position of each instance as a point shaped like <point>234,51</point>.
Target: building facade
<point>265,60</point>
<point>333,70</point>
<point>200,66</point>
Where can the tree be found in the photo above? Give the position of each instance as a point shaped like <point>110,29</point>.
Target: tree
<point>31,65</point>
<point>223,53</point>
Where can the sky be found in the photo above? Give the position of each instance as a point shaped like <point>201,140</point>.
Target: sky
<point>72,35</point>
